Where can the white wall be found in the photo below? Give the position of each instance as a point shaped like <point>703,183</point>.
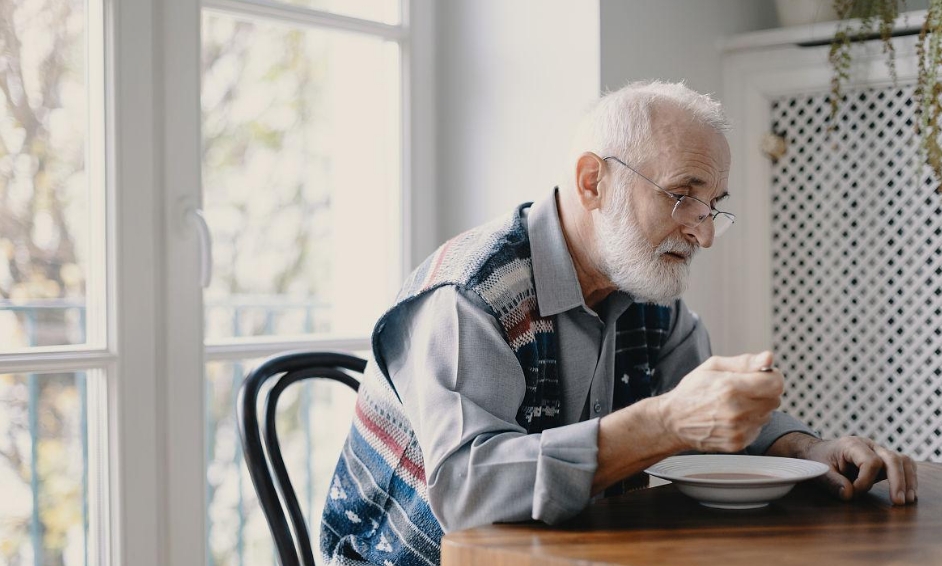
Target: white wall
<point>676,40</point>
<point>673,39</point>
<point>513,77</point>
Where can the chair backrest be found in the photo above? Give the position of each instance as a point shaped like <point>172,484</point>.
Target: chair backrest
<point>263,451</point>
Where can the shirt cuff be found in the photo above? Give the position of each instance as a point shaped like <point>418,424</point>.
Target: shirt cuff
<point>778,426</point>
<point>565,470</point>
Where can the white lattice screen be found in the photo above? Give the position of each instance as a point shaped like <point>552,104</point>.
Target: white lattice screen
<point>857,271</point>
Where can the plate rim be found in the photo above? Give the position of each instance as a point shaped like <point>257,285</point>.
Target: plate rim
<point>819,469</point>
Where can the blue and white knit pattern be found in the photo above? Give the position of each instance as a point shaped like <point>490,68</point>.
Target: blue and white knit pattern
<point>377,509</point>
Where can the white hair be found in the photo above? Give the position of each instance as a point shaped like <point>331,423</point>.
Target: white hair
<point>619,123</point>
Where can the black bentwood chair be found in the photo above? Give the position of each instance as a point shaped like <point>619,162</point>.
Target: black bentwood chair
<point>266,466</point>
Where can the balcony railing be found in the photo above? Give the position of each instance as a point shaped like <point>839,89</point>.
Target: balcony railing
<point>245,316</point>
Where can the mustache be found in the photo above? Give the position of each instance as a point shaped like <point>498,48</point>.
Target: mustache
<point>678,247</point>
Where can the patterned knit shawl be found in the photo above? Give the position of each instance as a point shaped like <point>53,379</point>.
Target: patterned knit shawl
<point>377,510</point>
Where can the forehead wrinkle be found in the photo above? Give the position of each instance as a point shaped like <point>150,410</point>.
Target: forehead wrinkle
<point>695,182</point>
<point>691,157</point>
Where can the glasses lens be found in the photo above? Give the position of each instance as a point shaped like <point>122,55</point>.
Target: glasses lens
<point>690,212</point>
<point>721,224</point>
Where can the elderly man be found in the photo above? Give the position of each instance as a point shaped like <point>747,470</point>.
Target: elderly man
<point>544,359</point>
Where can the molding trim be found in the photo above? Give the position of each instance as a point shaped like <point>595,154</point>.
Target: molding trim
<point>814,34</point>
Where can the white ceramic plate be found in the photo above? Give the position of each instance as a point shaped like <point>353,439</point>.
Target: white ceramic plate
<point>734,481</point>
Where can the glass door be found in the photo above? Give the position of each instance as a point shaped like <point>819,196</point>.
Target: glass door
<point>302,180</point>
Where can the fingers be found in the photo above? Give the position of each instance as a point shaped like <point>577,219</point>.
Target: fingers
<point>762,361</point>
<point>868,468</point>
<point>723,404</point>
<point>759,385</point>
<point>872,459</point>
<point>909,467</point>
<point>866,463</point>
<point>739,364</point>
<point>901,474</point>
<point>837,484</point>
<point>902,489</point>
<point>749,374</point>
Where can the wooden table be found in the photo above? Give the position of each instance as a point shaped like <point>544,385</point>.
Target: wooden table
<point>662,526</point>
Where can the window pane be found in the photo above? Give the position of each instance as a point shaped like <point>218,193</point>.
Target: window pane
<point>43,469</point>
<point>385,11</point>
<point>301,178</point>
<point>313,420</point>
<point>44,194</point>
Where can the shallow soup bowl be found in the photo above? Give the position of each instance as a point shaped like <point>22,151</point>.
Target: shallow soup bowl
<point>735,481</point>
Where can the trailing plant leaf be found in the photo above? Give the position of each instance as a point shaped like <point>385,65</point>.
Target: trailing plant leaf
<point>928,92</point>
<point>888,12</point>
<point>928,89</point>
<point>839,58</point>
<point>883,14</point>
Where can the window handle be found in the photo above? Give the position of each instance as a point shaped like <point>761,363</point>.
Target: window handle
<point>206,245</point>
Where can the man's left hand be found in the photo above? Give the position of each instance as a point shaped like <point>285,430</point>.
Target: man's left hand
<point>855,465</point>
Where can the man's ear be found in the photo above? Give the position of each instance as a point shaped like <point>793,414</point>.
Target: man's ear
<point>589,170</point>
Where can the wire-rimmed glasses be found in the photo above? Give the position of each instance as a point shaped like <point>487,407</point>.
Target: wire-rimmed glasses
<point>689,210</point>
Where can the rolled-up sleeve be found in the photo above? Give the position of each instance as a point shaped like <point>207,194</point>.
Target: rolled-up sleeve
<point>461,386</point>
<point>687,346</point>
<point>568,460</point>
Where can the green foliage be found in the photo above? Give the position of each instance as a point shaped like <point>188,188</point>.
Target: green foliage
<point>872,13</point>
<point>840,59</point>
<point>928,90</point>
<point>881,14</point>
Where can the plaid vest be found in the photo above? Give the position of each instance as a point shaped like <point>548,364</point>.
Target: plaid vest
<point>377,510</point>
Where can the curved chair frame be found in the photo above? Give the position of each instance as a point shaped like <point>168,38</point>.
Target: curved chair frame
<point>266,465</point>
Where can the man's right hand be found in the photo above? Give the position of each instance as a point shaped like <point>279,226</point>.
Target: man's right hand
<point>722,405</point>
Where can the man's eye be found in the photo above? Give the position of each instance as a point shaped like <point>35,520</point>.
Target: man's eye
<point>720,200</point>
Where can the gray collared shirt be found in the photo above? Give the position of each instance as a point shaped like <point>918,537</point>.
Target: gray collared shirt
<point>461,386</point>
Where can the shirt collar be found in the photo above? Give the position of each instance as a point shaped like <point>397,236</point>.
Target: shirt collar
<point>557,286</point>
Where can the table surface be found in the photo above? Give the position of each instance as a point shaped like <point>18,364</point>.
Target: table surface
<point>660,525</point>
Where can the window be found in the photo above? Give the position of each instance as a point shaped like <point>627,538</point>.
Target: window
<point>54,360</point>
<point>302,168</point>
<point>47,183</point>
<point>110,354</point>
<point>301,178</point>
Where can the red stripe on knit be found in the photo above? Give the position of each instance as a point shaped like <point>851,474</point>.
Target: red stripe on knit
<point>520,328</point>
<point>438,262</point>
<point>417,471</point>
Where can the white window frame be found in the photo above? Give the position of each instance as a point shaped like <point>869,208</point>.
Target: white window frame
<point>134,394</point>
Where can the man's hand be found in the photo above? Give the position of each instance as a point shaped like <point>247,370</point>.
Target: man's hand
<point>855,465</point>
<point>722,405</point>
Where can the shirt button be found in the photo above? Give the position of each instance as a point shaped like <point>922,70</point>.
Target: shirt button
<point>597,407</point>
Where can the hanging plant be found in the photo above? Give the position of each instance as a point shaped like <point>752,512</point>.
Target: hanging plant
<point>881,13</point>
<point>929,53</point>
<point>866,19</point>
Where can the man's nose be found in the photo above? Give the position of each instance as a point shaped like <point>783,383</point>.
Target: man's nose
<point>701,234</point>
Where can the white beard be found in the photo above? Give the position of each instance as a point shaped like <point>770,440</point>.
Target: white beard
<point>632,264</point>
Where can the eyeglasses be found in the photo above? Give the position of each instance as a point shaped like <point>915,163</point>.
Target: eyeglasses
<point>689,211</point>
